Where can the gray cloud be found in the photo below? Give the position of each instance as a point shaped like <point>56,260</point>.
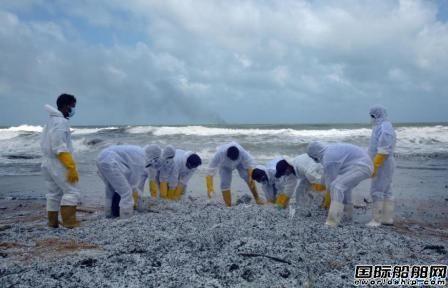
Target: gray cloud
<point>168,62</point>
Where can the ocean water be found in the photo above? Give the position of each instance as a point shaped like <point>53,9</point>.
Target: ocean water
<point>419,146</point>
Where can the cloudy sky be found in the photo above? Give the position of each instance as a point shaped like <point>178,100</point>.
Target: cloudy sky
<point>230,61</point>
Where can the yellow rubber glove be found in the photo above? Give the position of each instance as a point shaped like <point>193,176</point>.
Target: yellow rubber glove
<point>153,188</point>
<point>164,190</point>
<point>318,187</point>
<point>378,160</point>
<point>171,193</point>
<point>135,196</point>
<point>67,160</point>
<point>209,183</point>
<point>253,190</point>
<point>179,192</point>
<point>227,196</point>
<point>327,200</point>
<point>282,200</point>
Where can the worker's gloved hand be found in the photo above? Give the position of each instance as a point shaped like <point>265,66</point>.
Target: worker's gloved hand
<point>209,183</point>
<point>326,201</point>
<point>378,160</point>
<point>153,188</point>
<point>282,201</point>
<point>171,192</point>
<point>318,187</point>
<point>164,190</point>
<point>68,162</point>
<point>178,192</point>
<point>136,198</point>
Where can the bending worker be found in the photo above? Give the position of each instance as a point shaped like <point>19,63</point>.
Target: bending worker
<point>345,166</point>
<point>227,158</point>
<point>185,164</point>
<point>381,150</point>
<point>58,165</point>
<point>122,168</point>
<point>265,175</point>
<point>165,170</point>
<point>153,154</point>
<point>302,170</point>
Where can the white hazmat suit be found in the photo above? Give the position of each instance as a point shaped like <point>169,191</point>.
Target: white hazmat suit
<point>345,166</point>
<point>272,185</point>
<point>306,173</point>
<point>122,168</point>
<point>244,164</point>
<point>381,151</point>
<point>56,139</point>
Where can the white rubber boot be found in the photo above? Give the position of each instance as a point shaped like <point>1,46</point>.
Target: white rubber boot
<point>377,214</point>
<point>126,212</point>
<point>388,212</point>
<point>108,208</point>
<point>335,214</point>
<point>348,212</point>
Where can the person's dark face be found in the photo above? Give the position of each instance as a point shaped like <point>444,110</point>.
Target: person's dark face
<point>67,109</point>
<point>262,179</point>
<point>289,171</point>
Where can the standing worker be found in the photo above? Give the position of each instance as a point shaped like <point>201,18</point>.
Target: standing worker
<point>229,157</point>
<point>58,165</point>
<point>381,150</point>
<point>345,166</point>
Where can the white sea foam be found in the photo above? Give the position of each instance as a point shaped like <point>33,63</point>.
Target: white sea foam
<point>411,140</point>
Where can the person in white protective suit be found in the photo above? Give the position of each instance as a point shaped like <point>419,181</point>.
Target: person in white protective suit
<point>265,175</point>
<point>227,158</point>
<point>122,168</point>
<point>345,166</point>
<point>185,165</point>
<point>381,150</point>
<point>153,154</point>
<point>165,170</point>
<point>301,170</point>
<point>58,165</point>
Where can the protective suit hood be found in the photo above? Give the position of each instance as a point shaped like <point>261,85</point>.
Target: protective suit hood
<point>168,152</point>
<point>316,150</point>
<point>53,111</point>
<point>380,114</point>
<point>152,155</point>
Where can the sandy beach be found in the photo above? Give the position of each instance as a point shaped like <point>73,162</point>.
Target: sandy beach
<point>199,243</point>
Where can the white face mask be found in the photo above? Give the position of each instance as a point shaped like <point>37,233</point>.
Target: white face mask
<point>72,112</point>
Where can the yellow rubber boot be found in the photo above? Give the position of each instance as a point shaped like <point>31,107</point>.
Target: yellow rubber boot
<point>209,184</point>
<point>153,189</point>
<point>136,197</point>
<point>326,201</point>
<point>164,190</point>
<point>282,200</point>
<point>227,196</point>
<point>68,214</point>
<point>53,221</point>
